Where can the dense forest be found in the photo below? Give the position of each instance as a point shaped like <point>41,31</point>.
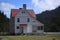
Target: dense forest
<point>4,22</point>
<point>51,20</point>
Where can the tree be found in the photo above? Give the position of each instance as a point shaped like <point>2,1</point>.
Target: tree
<point>4,22</point>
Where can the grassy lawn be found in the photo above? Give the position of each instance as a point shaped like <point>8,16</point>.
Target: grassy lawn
<point>32,37</point>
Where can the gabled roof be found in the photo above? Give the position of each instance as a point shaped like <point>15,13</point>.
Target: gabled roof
<point>15,11</point>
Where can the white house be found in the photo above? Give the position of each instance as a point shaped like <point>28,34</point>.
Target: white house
<point>23,21</point>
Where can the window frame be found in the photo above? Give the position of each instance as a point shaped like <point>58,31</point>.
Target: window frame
<point>17,27</point>
<point>23,11</point>
<point>28,19</point>
<point>39,28</point>
<point>18,19</point>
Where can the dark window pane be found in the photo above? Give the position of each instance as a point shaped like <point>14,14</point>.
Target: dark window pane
<point>34,30</point>
<point>28,20</point>
<point>38,27</point>
<point>41,27</point>
<point>23,11</point>
<point>33,21</point>
<point>17,19</point>
<point>17,27</point>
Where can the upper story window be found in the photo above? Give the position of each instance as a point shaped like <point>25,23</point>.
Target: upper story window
<point>18,20</point>
<point>23,11</point>
<point>28,20</point>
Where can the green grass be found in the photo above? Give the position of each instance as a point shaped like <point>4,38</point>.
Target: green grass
<point>32,37</point>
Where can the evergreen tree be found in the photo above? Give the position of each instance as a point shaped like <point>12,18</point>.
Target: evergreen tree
<point>4,22</point>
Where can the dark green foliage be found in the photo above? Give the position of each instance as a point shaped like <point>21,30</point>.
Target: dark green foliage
<point>4,22</point>
<point>51,19</point>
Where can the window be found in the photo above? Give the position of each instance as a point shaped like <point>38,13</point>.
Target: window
<point>28,20</point>
<point>23,11</point>
<point>17,27</point>
<point>33,21</point>
<point>38,27</point>
<point>41,27</point>
<point>34,30</point>
<point>17,19</point>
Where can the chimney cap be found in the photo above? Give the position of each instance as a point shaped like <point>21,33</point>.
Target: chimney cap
<point>24,4</point>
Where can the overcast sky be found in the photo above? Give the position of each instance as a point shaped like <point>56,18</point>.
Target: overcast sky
<point>37,5</point>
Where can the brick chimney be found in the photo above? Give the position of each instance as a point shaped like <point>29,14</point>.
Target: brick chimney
<point>24,6</point>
